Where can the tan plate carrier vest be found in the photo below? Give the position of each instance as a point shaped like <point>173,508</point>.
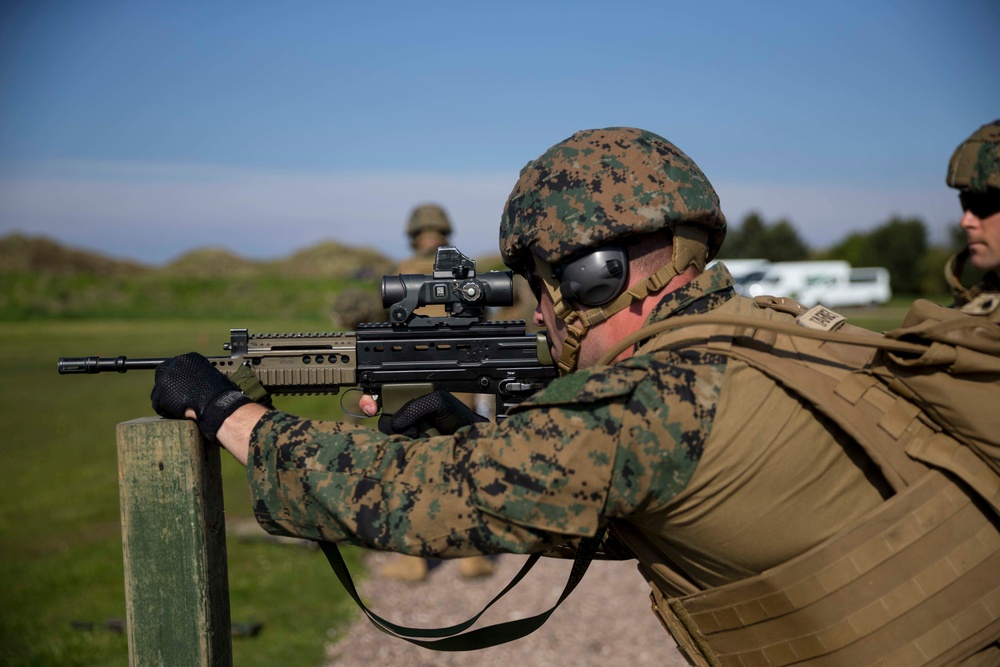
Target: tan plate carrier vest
<point>916,582</point>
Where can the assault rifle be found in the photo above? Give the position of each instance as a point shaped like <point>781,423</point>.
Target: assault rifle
<point>394,361</point>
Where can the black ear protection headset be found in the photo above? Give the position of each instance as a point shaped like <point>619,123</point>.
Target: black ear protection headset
<point>595,279</point>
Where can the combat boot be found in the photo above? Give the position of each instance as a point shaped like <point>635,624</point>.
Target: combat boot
<point>405,568</point>
<point>475,566</point>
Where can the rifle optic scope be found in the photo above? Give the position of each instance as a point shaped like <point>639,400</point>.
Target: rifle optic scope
<point>454,284</point>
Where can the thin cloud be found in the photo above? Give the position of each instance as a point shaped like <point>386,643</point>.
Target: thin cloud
<point>154,212</point>
<point>158,211</point>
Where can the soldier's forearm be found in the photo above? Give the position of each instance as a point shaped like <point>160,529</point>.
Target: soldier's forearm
<point>234,434</point>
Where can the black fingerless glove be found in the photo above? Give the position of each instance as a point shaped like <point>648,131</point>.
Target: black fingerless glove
<point>191,381</point>
<point>438,410</point>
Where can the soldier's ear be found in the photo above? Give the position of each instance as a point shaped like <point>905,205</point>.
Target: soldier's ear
<point>595,279</point>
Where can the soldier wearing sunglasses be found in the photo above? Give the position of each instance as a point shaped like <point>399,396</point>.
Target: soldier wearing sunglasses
<point>974,171</point>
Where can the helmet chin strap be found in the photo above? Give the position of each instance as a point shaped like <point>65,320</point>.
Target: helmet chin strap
<point>690,247</point>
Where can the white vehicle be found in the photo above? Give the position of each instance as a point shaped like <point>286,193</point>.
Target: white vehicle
<point>866,286</point>
<point>743,270</point>
<point>802,281</point>
<point>832,283</point>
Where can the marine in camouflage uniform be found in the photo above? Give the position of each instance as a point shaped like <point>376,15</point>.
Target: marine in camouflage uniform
<point>703,468</point>
<point>974,170</point>
<point>621,444</point>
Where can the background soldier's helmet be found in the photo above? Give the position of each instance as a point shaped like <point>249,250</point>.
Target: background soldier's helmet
<point>975,165</point>
<point>428,217</point>
<point>602,186</point>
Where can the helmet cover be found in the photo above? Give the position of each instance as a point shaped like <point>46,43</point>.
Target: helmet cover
<point>428,217</point>
<point>601,186</point>
<point>975,164</point>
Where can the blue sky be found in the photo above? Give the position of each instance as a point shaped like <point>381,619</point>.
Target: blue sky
<point>147,129</point>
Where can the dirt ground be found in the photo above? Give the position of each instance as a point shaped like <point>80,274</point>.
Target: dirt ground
<point>605,621</point>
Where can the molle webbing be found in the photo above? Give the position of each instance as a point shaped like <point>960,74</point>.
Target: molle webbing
<point>849,601</point>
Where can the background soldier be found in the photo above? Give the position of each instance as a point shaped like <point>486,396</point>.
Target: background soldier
<point>429,228</point>
<point>974,171</point>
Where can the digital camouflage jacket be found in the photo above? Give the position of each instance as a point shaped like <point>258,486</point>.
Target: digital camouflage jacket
<point>698,455</point>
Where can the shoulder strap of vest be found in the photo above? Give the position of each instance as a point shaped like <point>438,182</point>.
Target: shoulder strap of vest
<point>795,357</point>
<point>746,327</point>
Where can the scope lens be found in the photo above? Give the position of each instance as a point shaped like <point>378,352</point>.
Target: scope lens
<point>393,290</point>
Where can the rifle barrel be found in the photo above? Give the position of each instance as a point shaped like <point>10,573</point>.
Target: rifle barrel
<point>91,365</point>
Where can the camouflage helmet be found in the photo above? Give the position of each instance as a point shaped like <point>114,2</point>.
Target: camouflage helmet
<point>602,186</point>
<point>428,217</point>
<point>975,165</point>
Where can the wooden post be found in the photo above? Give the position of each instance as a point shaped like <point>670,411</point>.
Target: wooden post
<point>174,544</point>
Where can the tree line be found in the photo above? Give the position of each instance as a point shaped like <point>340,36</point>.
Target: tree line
<point>900,244</point>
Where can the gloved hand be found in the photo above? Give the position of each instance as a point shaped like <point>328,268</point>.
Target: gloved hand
<point>190,381</point>
<point>437,410</point>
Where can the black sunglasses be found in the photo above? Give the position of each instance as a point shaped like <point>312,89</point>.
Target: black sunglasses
<point>980,204</point>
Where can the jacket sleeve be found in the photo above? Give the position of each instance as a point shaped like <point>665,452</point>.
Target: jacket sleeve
<point>592,447</point>
<point>537,479</point>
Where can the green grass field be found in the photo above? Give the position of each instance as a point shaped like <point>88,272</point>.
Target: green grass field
<point>60,542</point>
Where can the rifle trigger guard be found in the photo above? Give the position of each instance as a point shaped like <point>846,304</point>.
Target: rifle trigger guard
<point>358,415</point>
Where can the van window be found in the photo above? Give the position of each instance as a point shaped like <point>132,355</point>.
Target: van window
<point>864,275</point>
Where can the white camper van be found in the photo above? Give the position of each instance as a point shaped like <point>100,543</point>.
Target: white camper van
<point>803,281</point>
<point>832,283</point>
<point>866,286</point>
<point>744,271</point>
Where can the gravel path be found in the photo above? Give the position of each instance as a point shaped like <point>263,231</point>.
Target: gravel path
<point>605,621</point>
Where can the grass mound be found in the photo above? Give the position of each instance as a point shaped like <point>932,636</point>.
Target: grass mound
<point>27,254</point>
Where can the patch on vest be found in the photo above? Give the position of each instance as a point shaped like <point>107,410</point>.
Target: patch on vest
<point>984,304</point>
<point>820,318</point>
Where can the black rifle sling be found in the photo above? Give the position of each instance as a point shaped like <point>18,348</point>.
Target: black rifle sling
<point>450,638</point>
